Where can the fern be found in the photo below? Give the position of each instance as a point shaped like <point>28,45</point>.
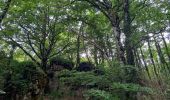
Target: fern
<point>94,94</point>
<point>89,80</point>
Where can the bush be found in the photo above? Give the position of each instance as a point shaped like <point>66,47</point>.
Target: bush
<point>99,86</point>
<point>94,94</point>
<point>19,79</point>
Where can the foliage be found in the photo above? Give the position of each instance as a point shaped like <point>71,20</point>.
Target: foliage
<point>21,75</point>
<point>132,87</point>
<point>104,83</point>
<point>94,94</point>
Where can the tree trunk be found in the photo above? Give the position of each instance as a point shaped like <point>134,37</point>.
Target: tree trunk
<point>95,56</point>
<point>129,51</point>
<point>109,45</point>
<point>11,54</point>
<point>160,54</point>
<point>115,22</point>
<point>152,59</point>
<point>137,60</point>
<point>78,51</point>
<point>166,47</point>
<point>127,32</point>
<point>44,64</point>
<point>119,46</point>
<point>144,62</point>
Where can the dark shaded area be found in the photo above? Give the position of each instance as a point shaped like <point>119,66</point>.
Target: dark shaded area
<point>85,66</point>
<point>99,71</point>
<point>61,63</point>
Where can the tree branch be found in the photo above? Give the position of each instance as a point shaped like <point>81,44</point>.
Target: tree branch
<point>29,41</point>
<point>60,50</point>
<point>18,45</point>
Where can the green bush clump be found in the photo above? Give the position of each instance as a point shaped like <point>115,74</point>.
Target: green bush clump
<point>21,75</point>
<point>99,86</point>
<point>78,78</point>
<point>95,94</point>
<point>131,87</point>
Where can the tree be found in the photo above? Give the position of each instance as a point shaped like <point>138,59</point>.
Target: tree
<point>111,12</point>
<point>36,31</point>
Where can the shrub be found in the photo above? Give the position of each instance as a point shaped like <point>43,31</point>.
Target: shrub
<point>20,78</point>
<point>95,94</point>
<point>100,84</point>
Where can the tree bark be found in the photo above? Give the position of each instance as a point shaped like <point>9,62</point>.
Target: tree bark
<point>160,54</point>
<point>128,33</point>
<point>152,58</point>
<point>95,56</point>
<point>78,51</point>
<point>11,54</point>
<point>144,62</point>
<point>166,46</point>
<point>137,61</point>
<point>128,48</point>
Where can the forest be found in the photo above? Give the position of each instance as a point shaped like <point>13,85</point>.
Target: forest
<point>84,49</point>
